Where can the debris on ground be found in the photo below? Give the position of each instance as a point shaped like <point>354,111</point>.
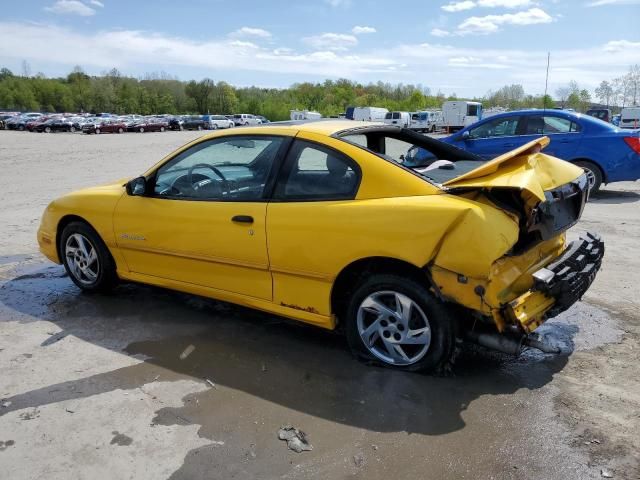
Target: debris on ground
<point>213,385</point>
<point>296,439</point>
<point>187,351</point>
<point>358,460</point>
<point>264,367</point>
<point>606,473</point>
<point>217,442</point>
<point>6,404</point>
<point>54,338</point>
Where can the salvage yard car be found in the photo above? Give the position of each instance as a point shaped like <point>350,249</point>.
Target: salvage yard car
<point>323,223</point>
<point>607,153</point>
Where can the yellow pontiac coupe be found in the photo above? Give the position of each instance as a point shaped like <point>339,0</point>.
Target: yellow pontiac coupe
<point>405,242</point>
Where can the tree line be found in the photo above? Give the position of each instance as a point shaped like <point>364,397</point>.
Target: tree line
<point>161,93</point>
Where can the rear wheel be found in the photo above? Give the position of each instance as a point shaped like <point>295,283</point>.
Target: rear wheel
<point>214,126</point>
<point>121,130</point>
<point>199,127</point>
<point>141,129</point>
<point>162,129</point>
<point>86,258</point>
<point>72,129</point>
<point>594,174</point>
<point>47,129</point>
<point>97,131</point>
<point>397,322</point>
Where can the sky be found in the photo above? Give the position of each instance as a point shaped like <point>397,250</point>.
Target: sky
<point>467,47</point>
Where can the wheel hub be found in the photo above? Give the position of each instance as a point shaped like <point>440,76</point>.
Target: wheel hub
<point>393,328</point>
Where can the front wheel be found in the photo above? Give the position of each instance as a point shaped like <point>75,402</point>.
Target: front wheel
<point>162,129</point>
<point>594,175</point>
<point>86,258</point>
<point>199,127</point>
<point>97,131</point>
<point>141,129</point>
<point>120,130</point>
<point>396,321</point>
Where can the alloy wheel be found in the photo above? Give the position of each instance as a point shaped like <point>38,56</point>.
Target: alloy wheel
<point>393,328</point>
<point>82,259</point>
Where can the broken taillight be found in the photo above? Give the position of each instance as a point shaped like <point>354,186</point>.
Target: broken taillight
<point>634,143</point>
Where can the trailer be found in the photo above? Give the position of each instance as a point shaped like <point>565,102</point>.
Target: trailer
<point>458,114</point>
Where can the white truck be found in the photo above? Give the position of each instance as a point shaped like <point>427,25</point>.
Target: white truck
<point>402,119</point>
<point>458,114</point>
<point>630,117</point>
<point>367,114</point>
<point>304,115</point>
<point>426,121</point>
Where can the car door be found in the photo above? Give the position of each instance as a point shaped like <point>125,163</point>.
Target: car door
<point>492,137</point>
<point>202,218</point>
<point>305,221</point>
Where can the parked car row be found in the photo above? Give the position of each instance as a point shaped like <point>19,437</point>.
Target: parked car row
<point>106,123</point>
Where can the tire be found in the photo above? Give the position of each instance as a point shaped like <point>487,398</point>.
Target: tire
<point>47,129</point>
<point>141,129</point>
<point>433,129</point>
<point>21,128</point>
<point>97,131</point>
<point>434,346</point>
<point>199,127</point>
<point>214,126</point>
<point>92,267</point>
<point>593,173</point>
<point>72,129</point>
<point>162,129</point>
<point>121,130</point>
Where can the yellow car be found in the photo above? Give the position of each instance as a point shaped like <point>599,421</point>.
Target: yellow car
<point>337,223</point>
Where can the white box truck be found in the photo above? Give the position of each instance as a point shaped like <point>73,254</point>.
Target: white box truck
<point>304,115</point>
<point>369,114</point>
<point>458,114</point>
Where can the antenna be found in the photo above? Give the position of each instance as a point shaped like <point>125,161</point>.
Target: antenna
<point>546,84</point>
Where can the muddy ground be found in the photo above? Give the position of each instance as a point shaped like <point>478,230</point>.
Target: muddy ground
<point>93,386</point>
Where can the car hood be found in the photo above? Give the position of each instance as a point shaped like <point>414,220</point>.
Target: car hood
<point>524,168</point>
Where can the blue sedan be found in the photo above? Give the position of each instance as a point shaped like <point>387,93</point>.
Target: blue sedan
<point>606,152</point>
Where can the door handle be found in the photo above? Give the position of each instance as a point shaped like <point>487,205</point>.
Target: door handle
<point>242,219</point>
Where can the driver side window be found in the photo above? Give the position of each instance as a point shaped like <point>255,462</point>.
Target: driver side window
<point>233,168</point>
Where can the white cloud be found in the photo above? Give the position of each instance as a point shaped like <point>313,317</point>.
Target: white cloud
<point>331,41</point>
<point>458,6</point>
<point>462,5</point>
<point>601,3</point>
<point>504,3</point>
<point>492,23</point>
<point>251,32</point>
<point>438,32</point>
<point>97,3</point>
<point>358,30</point>
<point>242,44</point>
<point>71,7</point>
<point>620,45</point>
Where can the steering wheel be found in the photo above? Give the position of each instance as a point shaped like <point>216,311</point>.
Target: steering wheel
<point>198,184</point>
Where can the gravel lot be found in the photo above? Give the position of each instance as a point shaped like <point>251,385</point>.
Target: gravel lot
<point>92,386</point>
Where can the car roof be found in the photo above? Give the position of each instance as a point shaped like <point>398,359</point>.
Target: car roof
<point>327,127</point>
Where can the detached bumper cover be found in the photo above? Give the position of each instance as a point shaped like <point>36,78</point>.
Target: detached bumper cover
<point>559,285</point>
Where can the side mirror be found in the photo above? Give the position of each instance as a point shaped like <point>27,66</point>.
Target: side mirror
<point>465,135</point>
<point>137,187</point>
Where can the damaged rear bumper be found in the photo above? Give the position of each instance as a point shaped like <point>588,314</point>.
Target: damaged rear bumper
<point>559,285</point>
